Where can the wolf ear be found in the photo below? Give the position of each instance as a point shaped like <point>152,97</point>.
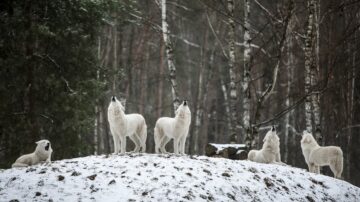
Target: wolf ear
<point>38,142</point>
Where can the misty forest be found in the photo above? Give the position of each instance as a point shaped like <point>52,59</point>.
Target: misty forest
<point>242,65</point>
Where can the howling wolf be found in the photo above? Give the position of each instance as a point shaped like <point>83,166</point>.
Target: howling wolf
<point>316,156</point>
<point>270,151</point>
<point>42,153</point>
<point>177,128</point>
<point>123,125</point>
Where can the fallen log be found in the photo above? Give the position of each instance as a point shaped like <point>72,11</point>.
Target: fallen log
<point>230,151</point>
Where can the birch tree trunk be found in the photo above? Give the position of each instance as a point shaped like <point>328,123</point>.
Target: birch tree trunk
<point>309,64</point>
<point>246,76</point>
<point>312,103</point>
<point>316,73</point>
<point>170,56</point>
<point>232,72</point>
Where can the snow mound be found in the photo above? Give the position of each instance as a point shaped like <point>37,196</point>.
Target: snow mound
<point>151,177</point>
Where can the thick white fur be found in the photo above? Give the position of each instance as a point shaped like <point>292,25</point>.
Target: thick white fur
<point>270,151</point>
<point>123,125</point>
<point>176,128</point>
<point>40,154</point>
<point>316,156</point>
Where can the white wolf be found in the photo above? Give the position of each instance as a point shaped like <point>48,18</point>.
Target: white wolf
<point>270,151</point>
<point>177,128</point>
<point>316,156</point>
<point>123,125</point>
<point>42,153</point>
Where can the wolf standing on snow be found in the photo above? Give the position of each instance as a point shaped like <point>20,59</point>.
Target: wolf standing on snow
<point>177,128</point>
<point>42,153</point>
<point>123,125</point>
<point>270,151</point>
<point>316,156</point>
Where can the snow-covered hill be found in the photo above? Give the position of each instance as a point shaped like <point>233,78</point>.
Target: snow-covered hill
<point>151,177</point>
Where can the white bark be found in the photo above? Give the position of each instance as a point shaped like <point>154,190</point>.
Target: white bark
<point>170,56</point>
<point>309,64</point>
<point>315,71</point>
<point>312,103</point>
<point>246,76</point>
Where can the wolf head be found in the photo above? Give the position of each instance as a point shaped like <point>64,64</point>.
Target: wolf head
<point>183,110</point>
<point>307,138</point>
<point>43,147</point>
<point>115,106</point>
<point>271,137</point>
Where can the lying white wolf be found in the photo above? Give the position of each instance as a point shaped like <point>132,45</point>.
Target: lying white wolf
<point>42,153</point>
<point>270,152</point>
<point>316,156</point>
<point>123,125</point>
<point>177,128</point>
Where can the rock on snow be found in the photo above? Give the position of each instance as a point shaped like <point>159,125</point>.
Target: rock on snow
<point>151,177</point>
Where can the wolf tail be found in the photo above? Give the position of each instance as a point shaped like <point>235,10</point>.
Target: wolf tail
<point>339,164</point>
<point>143,134</point>
<point>157,139</point>
<point>19,165</point>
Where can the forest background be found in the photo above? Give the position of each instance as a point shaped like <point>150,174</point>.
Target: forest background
<point>244,65</point>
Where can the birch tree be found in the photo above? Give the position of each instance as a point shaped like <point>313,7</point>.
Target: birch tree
<point>316,71</point>
<point>246,75</point>
<point>312,108</point>
<point>170,56</point>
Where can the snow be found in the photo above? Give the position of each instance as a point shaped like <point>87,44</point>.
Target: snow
<point>221,147</point>
<point>168,177</point>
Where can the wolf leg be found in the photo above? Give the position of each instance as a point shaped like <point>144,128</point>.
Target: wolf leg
<point>136,141</point>
<point>182,145</point>
<point>116,143</point>
<point>123,144</point>
<point>163,143</point>
<point>176,145</point>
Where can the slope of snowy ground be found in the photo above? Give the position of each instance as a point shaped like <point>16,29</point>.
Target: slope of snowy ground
<point>151,177</point>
